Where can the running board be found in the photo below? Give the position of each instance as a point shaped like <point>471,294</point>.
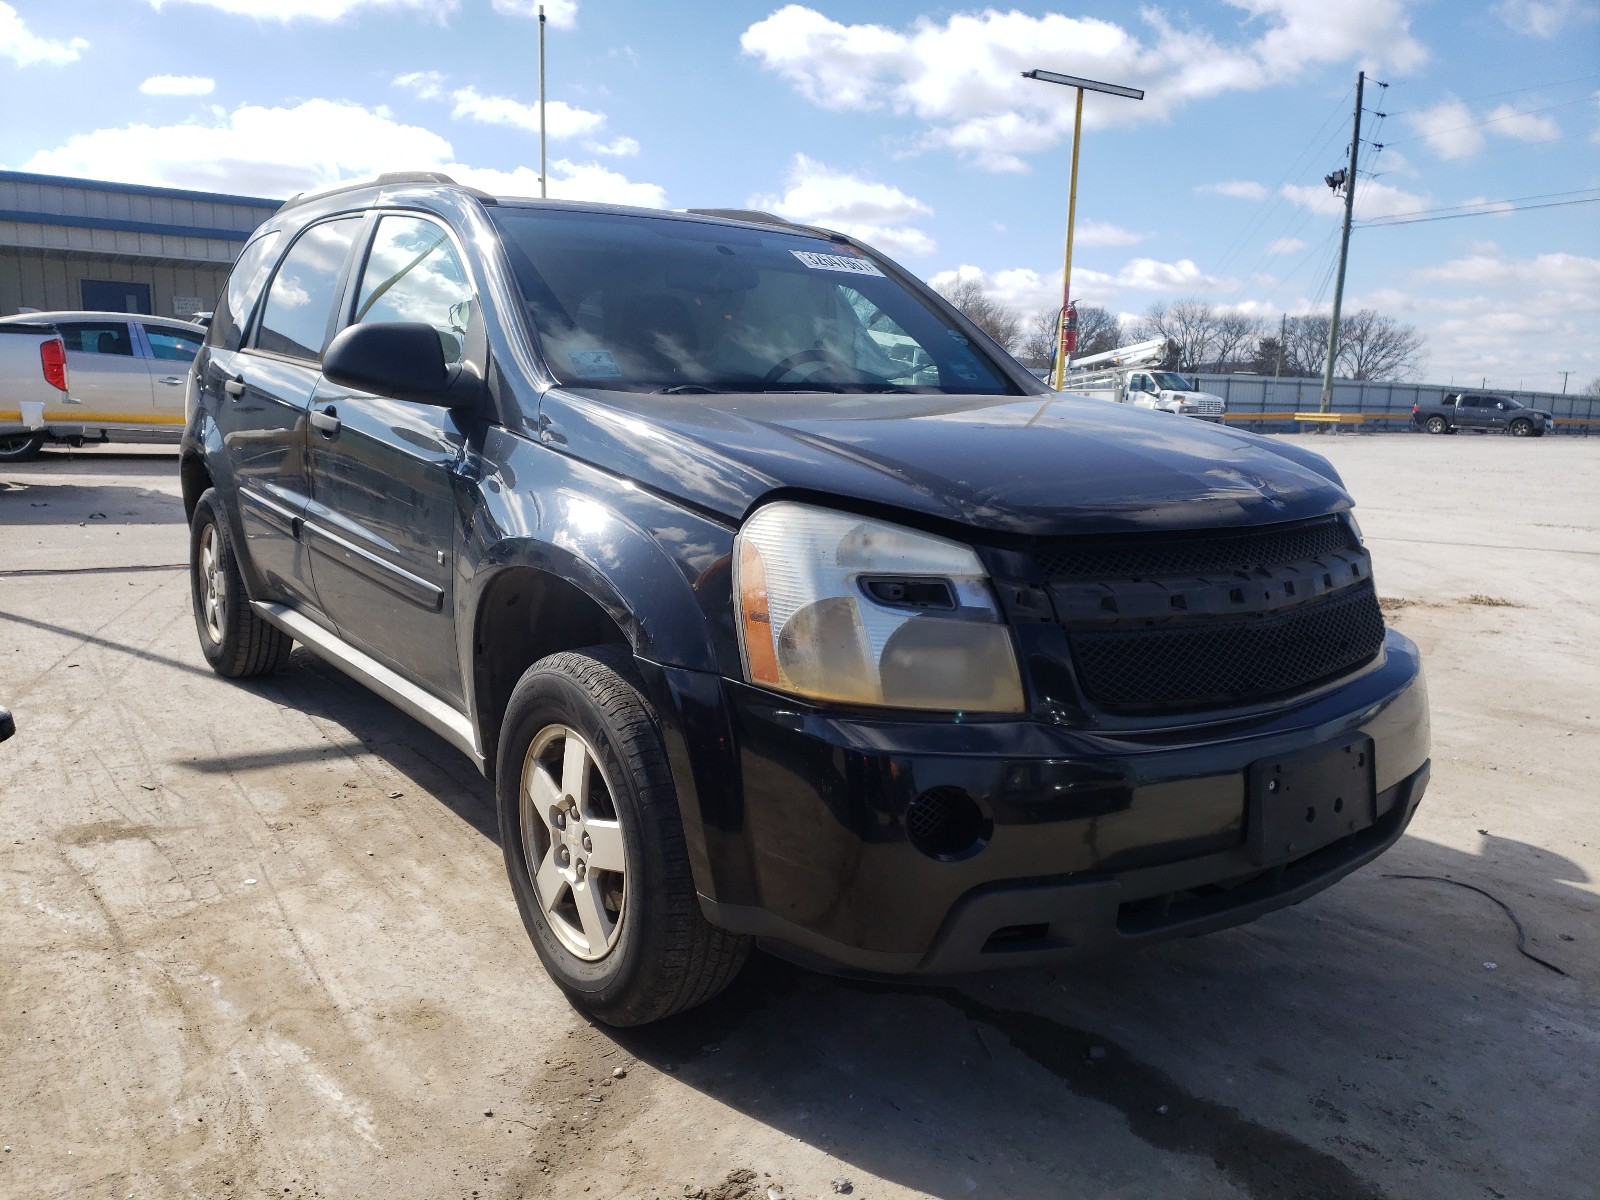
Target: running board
<point>452,726</point>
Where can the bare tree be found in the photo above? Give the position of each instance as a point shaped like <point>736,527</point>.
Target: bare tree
<point>1373,346</point>
<point>1098,330</point>
<point>1594,387</point>
<point>983,310</point>
<point>1305,344</point>
<point>1038,345</point>
<point>1190,328</point>
<point>1236,338</point>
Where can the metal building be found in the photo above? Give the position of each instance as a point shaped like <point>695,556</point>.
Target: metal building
<point>83,244</point>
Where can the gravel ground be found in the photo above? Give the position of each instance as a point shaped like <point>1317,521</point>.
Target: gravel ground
<point>257,940</point>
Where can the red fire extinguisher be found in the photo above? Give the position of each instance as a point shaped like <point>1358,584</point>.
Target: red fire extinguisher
<point>1069,330</point>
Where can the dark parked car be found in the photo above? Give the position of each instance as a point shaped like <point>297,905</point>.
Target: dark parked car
<point>779,602</point>
<point>1482,411</point>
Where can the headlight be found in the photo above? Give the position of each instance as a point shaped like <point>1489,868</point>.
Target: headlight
<point>840,608</point>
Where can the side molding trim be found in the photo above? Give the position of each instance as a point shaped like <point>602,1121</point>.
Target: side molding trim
<point>455,727</point>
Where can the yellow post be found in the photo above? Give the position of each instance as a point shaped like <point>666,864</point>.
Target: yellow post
<point>1066,271</point>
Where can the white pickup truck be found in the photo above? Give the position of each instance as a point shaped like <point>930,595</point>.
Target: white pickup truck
<point>79,377</point>
<point>1125,376</point>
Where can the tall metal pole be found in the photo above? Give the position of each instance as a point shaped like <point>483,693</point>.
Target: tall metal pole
<point>1066,270</point>
<point>1344,253</point>
<point>543,191</point>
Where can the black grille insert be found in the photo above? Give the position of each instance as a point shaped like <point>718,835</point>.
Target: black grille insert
<point>1231,660</point>
<point>1207,553</point>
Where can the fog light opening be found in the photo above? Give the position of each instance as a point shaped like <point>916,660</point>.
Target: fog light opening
<point>946,823</point>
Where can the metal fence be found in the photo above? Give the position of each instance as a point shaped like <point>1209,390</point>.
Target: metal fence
<point>1268,404</point>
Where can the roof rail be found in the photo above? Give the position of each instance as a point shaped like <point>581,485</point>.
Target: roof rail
<point>755,216</point>
<point>387,178</point>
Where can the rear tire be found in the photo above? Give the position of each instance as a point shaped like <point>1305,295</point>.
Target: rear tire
<point>1436,424</point>
<point>20,447</point>
<point>594,844</point>
<point>236,641</point>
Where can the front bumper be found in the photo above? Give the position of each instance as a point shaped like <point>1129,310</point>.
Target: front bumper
<point>1096,838</point>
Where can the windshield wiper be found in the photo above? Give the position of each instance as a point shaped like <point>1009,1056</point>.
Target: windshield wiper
<point>690,389</point>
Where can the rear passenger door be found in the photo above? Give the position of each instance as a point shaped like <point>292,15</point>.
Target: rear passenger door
<point>384,508</point>
<point>108,382</point>
<point>262,413</point>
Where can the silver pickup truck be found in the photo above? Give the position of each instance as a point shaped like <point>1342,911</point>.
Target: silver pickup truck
<point>79,377</point>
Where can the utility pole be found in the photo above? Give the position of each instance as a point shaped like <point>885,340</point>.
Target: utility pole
<point>542,189</point>
<point>1283,332</point>
<point>1344,251</point>
<point>1564,375</point>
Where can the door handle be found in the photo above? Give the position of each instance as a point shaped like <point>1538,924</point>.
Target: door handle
<point>326,420</point>
<point>234,387</point>
<point>175,380</point>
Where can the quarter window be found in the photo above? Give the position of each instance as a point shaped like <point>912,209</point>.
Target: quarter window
<point>414,274</point>
<point>295,321</point>
<point>244,287</point>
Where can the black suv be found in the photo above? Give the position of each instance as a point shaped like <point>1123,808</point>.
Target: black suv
<point>777,600</point>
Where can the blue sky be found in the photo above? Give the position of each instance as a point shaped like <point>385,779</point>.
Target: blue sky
<point>912,128</point>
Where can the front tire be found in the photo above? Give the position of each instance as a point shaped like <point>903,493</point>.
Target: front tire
<point>594,844</point>
<point>20,447</point>
<point>236,641</point>
<point>1436,424</point>
<point>1521,428</point>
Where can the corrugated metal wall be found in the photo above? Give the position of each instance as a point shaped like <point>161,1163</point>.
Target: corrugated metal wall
<point>1387,404</point>
<point>51,280</point>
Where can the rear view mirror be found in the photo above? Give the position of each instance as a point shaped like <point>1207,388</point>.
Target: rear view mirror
<point>402,359</point>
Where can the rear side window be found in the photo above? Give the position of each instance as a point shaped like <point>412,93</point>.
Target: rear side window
<point>300,301</point>
<point>414,274</point>
<point>244,287</point>
<point>172,345</point>
<point>106,337</point>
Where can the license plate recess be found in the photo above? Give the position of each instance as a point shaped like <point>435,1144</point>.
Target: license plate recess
<point>1298,803</point>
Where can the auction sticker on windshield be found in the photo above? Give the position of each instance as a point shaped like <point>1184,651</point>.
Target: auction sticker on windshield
<point>836,262</point>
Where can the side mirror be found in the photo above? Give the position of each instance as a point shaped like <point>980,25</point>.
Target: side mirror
<point>402,359</point>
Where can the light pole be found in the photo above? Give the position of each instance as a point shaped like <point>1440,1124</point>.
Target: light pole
<point>1083,85</point>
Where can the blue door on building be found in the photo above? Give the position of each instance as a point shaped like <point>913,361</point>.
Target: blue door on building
<point>101,295</point>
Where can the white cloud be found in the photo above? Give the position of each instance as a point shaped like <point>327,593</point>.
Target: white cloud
<point>874,212</point>
<point>279,151</point>
<point>560,14</point>
<point>1239,189</point>
<point>1449,129</point>
<point>618,147</point>
<point>1104,233</point>
<point>27,49</point>
<point>1498,207</point>
<point>320,10</point>
<point>1525,127</point>
<point>561,119</point>
<point>1542,18</point>
<point>178,85</point>
<point>962,77</point>
<point>1512,319</point>
<point>1373,199</point>
<point>1286,245</point>
<point>425,85</point>
<point>1027,291</point>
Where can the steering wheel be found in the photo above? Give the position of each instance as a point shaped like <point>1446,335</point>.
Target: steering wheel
<point>800,359</point>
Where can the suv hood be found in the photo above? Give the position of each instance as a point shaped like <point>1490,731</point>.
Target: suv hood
<point>1054,464</point>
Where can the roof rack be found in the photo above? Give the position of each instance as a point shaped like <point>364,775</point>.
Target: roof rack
<point>386,179</point>
<point>755,216</point>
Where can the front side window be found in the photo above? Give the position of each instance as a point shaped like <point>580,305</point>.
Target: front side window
<point>171,345</point>
<point>413,273</point>
<point>657,304</point>
<point>100,337</point>
<point>300,302</point>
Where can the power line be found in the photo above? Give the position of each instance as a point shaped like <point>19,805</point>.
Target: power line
<point>1488,121</point>
<point>1532,87</point>
<point>1486,212</point>
<point>1478,204</point>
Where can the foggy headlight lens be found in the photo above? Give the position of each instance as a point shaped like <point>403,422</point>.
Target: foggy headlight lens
<point>840,608</point>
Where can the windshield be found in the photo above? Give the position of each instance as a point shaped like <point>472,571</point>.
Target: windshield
<point>648,304</point>
<point>1171,381</point>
